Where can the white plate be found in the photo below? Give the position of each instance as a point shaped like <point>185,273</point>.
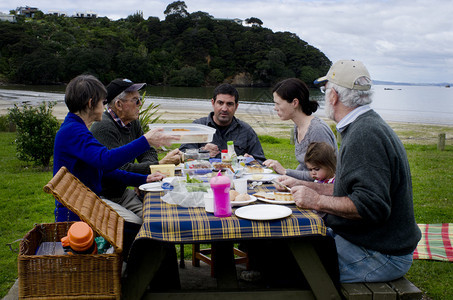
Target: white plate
<point>242,203</point>
<point>263,212</point>
<point>274,201</point>
<point>264,177</point>
<point>265,171</point>
<point>151,187</point>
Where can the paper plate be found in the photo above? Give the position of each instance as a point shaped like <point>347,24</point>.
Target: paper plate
<point>274,201</point>
<point>262,212</point>
<point>243,203</point>
<point>260,177</point>
<point>265,171</point>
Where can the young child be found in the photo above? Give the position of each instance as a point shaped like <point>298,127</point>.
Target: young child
<point>321,161</point>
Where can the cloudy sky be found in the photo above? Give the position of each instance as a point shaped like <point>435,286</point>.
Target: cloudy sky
<point>398,40</point>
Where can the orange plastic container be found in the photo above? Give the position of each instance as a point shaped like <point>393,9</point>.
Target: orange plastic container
<point>80,239</point>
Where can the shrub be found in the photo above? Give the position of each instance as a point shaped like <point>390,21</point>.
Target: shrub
<point>36,130</point>
<point>215,77</point>
<point>148,115</point>
<point>4,123</point>
<point>186,76</point>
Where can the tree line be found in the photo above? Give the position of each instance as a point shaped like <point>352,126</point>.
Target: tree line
<point>184,49</point>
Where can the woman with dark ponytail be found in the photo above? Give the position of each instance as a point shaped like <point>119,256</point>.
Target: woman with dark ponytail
<point>292,102</point>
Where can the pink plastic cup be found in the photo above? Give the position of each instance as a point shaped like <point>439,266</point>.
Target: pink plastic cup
<point>220,186</point>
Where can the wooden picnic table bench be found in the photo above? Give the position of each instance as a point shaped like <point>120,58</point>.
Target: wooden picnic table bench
<point>400,288</point>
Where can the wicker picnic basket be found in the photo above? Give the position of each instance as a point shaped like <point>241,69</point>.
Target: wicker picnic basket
<point>85,276</point>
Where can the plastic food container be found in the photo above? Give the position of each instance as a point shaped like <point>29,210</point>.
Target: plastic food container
<point>189,133</point>
<point>197,164</point>
<point>80,239</point>
<point>197,187</point>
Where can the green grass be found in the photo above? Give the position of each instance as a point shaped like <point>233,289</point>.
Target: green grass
<point>23,203</point>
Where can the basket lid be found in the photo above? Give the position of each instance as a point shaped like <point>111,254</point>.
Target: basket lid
<point>77,197</point>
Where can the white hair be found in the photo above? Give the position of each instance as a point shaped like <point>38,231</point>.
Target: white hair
<point>353,98</point>
<point>121,95</point>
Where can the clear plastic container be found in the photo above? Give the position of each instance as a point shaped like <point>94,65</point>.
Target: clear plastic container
<point>50,248</point>
<point>190,155</point>
<point>188,133</point>
<point>203,155</point>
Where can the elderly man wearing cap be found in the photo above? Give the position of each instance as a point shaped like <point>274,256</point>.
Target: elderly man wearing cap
<point>120,126</point>
<point>369,208</point>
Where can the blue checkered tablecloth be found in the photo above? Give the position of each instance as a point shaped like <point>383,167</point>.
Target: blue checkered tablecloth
<point>172,223</point>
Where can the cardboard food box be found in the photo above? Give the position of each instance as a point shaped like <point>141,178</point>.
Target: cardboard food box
<point>168,170</point>
<point>82,276</point>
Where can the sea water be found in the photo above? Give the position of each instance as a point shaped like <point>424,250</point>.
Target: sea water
<point>412,104</point>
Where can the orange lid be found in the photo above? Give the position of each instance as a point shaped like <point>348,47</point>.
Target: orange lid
<point>80,236</point>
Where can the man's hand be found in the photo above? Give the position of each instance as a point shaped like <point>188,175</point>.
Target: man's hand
<point>155,177</point>
<point>305,197</point>
<point>288,181</point>
<point>172,157</point>
<point>157,138</point>
<point>308,198</point>
<point>212,148</point>
<point>272,163</point>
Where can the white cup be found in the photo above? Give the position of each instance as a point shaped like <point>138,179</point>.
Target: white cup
<point>209,201</point>
<point>240,185</point>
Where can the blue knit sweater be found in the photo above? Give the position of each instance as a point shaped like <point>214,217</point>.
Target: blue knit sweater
<point>90,161</point>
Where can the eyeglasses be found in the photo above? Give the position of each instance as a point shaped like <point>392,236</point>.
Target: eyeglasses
<point>323,89</point>
<point>136,99</point>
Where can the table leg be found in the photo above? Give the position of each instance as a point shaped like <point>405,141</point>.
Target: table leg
<point>311,266</point>
<point>145,261</point>
<point>223,263</point>
<point>181,256</point>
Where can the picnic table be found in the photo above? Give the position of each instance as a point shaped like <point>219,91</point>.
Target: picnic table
<point>165,225</point>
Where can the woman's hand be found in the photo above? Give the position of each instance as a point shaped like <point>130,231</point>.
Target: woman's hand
<point>155,177</point>
<point>157,138</point>
<point>278,168</point>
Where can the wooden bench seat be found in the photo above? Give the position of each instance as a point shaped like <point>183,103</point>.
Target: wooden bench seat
<point>397,289</point>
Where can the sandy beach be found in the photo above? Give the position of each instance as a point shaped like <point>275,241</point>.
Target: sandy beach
<point>266,122</point>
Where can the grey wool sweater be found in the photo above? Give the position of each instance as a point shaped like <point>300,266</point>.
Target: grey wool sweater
<point>373,171</point>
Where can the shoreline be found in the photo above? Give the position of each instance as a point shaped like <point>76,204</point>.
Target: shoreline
<point>266,122</point>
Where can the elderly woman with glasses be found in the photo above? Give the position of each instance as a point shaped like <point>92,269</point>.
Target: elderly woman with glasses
<point>87,159</point>
<point>291,99</point>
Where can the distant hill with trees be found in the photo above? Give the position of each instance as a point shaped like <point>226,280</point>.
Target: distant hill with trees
<point>184,49</point>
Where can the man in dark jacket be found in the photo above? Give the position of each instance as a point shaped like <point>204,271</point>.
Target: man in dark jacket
<point>228,128</point>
